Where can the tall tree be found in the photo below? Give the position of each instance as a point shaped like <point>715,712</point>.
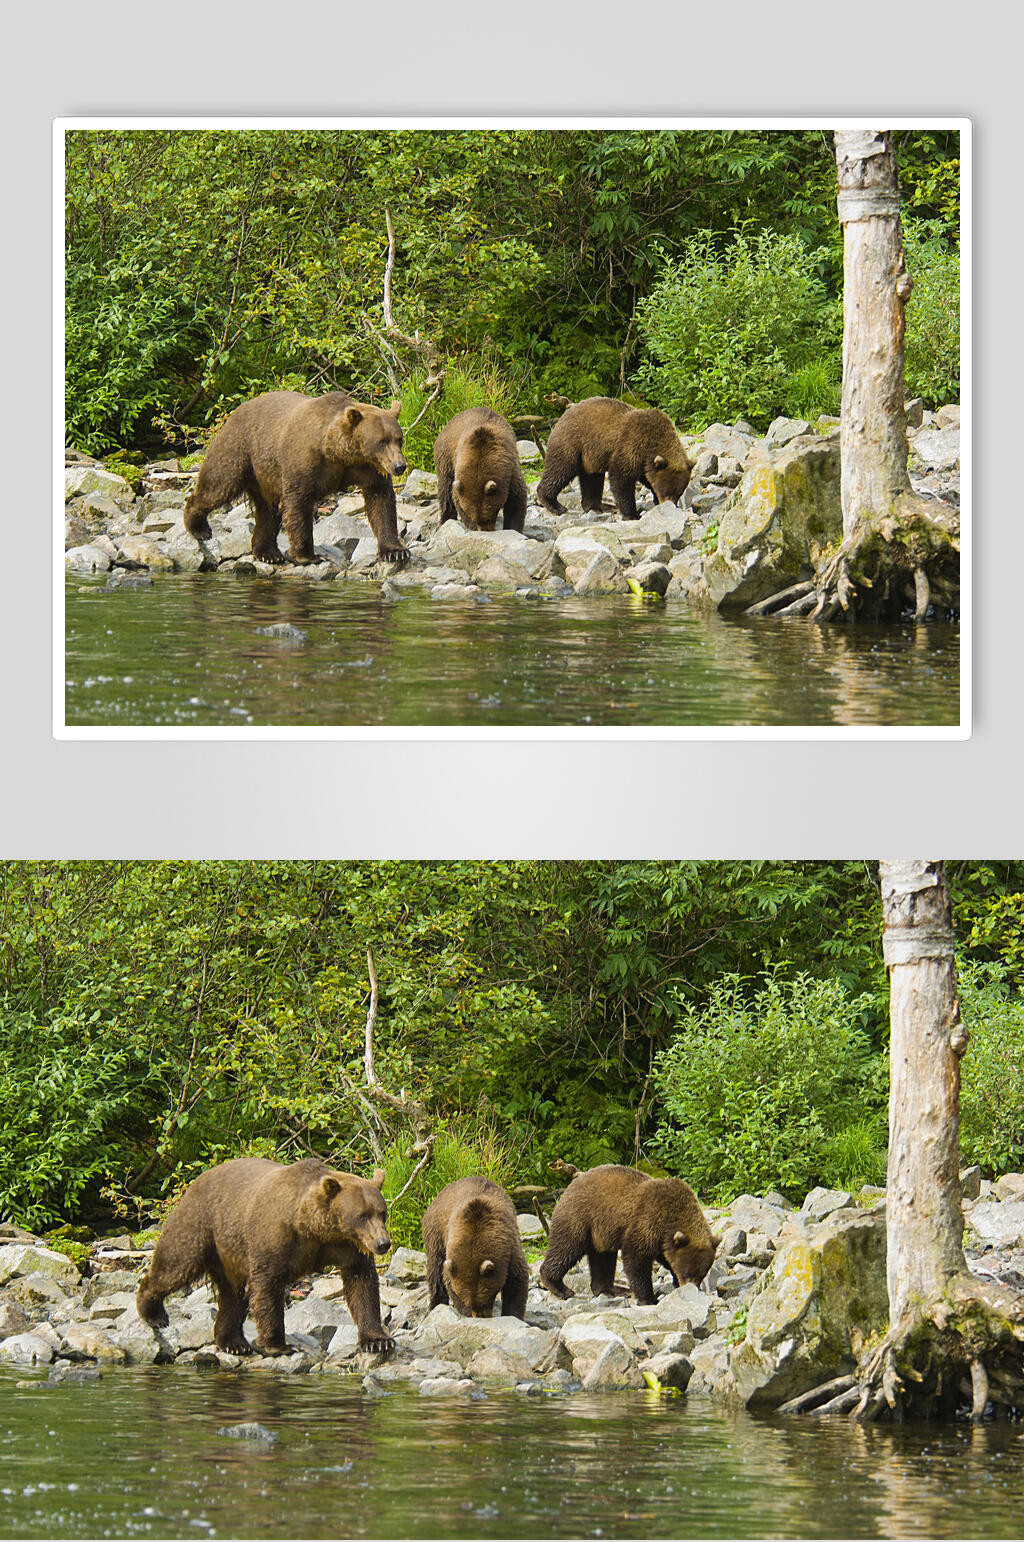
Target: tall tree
<point>892,539</point>
<point>950,1333</point>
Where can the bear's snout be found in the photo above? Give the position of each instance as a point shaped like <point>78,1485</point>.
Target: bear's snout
<point>383,1243</point>
<point>400,466</point>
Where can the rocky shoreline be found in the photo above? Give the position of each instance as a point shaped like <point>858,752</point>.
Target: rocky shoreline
<point>756,514</point>
<point>789,1301</point>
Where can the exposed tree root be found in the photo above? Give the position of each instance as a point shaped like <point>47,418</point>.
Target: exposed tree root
<point>906,559</point>
<point>962,1355</point>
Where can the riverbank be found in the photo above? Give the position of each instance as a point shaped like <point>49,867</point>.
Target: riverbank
<point>746,525</point>
<point>790,1299</point>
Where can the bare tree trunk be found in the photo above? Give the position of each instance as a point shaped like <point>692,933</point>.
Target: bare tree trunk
<point>898,549</point>
<point>873,434</point>
<point>953,1340</point>
<point>924,1218</point>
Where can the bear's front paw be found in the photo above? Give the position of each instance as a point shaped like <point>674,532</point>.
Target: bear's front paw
<point>397,554</point>
<point>271,554</point>
<point>378,1343</point>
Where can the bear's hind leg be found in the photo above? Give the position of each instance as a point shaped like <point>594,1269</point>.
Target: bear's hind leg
<point>602,1274</point>
<point>559,470</point>
<point>565,1248</point>
<point>591,489</point>
<point>231,1309</point>
<point>297,518</point>
<point>638,1273</point>
<point>267,526</point>
<point>266,1303</point>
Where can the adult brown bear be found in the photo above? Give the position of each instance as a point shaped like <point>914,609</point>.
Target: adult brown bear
<point>479,472</point>
<point>285,452</point>
<point>255,1227</point>
<point>632,445</point>
<point>471,1236</point>
<point>615,1209</point>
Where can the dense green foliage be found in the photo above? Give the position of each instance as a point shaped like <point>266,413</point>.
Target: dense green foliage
<point>774,1088</point>
<point>204,266</point>
<point>156,1017</point>
<point>730,323</point>
<point>933,314</point>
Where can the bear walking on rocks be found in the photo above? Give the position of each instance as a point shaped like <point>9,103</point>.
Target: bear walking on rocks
<point>285,452</point>
<point>471,1235</point>
<point>255,1227</point>
<point>479,472</point>
<point>615,1209</point>
<point>604,435</point>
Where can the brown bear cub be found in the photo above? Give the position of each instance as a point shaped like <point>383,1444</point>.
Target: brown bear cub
<point>473,1248</point>
<point>478,471</point>
<point>650,1220</point>
<point>255,1227</point>
<point>285,452</point>
<point>604,435</point>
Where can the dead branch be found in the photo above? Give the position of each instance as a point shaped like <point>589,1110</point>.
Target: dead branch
<point>371,1018</point>
<point>426,1147</point>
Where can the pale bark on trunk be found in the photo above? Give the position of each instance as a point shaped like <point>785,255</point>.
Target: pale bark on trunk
<point>924,1218</point>
<point>873,432</point>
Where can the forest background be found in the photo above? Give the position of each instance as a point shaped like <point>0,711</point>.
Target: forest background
<point>723,1021</point>
<point>696,270</point>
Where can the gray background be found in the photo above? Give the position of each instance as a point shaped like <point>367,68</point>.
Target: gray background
<point>516,797</point>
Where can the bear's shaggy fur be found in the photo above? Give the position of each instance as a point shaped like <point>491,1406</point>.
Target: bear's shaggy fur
<point>478,471</point>
<point>285,452</point>
<point>255,1227</point>
<point>604,435</point>
<point>474,1251</point>
<point>615,1209</point>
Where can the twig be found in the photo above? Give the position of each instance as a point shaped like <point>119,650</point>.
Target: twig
<point>371,1018</point>
<point>427,1147</point>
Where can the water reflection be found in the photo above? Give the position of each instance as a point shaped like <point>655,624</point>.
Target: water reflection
<point>187,652</point>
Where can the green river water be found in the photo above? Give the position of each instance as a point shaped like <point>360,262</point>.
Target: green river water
<point>139,1455</point>
<point>187,653</point>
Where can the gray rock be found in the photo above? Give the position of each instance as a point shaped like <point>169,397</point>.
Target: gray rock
<point>79,1374</point>
<point>1010,1186</point>
<point>949,415</point>
<point>87,559</point>
<point>1000,1223</point>
<point>79,480</point>
<point>913,410</point>
<point>285,631</point>
<point>782,430</point>
<point>687,1306</point>
<point>602,575</point>
<point>937,449</point>
<point>420,487</point>
<point>455,591</point>
<point>87,1341</point>
<point>613,1368</point>
<point>528,451</point>
<point>13,1319</point>
<point>668,1370</point>
<point>21,1260</point>
<point>757,1215</point>
<point>652,577</point>
<point>825,1295</point>
<point>775,524</point>
<point>970,1182</point>
<point>316,1319</point>
<point>447,1386</point>
<point>821,1202</point>
<point>251,1431</point>
<point>25,1349</point>
<point>733,1243</point>
<point>705,465</point>
<point>495,1364</point>
<point>344,1344</point>
<point>111,1306</point>
<point>530,1226</point>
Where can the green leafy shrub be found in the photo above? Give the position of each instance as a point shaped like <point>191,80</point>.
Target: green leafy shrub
<point>462,1150</point>
<point>728,326</point>
<point>933,314</point>
<point>992,1071</point>
<point>481,382</point>
<point>762,1091</point>
<point>66,1087</point>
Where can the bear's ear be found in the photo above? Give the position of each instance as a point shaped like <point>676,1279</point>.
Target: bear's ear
<point>681,1240</point>
<point>490,487</point>
<point>352,416</point>
<point>378,1178</point>
<point>660,463</point>
<point>487,1267</point>
<point>396,406</point>
<point>329,1186</point>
